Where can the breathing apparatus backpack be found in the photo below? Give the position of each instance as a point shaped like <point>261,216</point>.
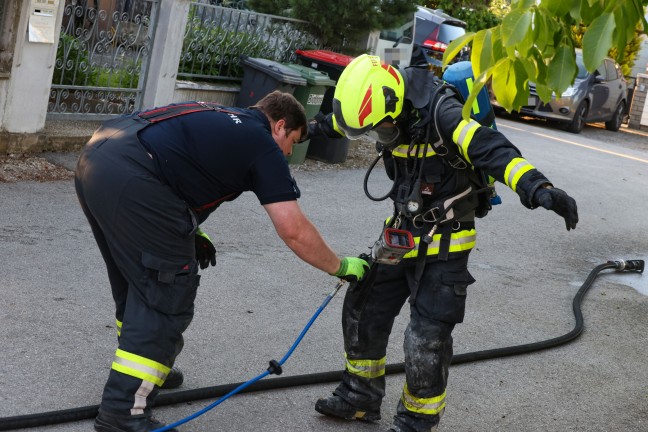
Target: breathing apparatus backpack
<point>461,77</point>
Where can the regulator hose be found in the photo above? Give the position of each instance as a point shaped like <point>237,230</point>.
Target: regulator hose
<point>89,412</point>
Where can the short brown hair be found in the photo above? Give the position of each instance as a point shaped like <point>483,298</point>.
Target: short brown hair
<point>281,105</point>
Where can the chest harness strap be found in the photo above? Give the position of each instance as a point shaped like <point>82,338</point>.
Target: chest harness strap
<point>164,113</point>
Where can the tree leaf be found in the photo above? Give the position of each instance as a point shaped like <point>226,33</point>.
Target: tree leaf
<point>515,27</point>
<point>557,7</point>
<point>456,46</point>
<point>540,29</point>
<point>504,83</point>
<point>544,92</point>
<point>482,51</point>
<point>522,4</point>
<point>521,84</point>
<point>597,41</point>
<point>562,69</point>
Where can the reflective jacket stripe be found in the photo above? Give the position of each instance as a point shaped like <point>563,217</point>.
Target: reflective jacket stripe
<point>463,135</point>
<point>459,242</point>
<point>429,406</point>
<point>119,326</point>
<point>366,368</point>
<point>140,367</point>
<point>401,151</point>
<point>516,169</point>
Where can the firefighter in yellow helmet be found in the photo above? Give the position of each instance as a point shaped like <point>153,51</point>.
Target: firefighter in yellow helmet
<point>437,161</point>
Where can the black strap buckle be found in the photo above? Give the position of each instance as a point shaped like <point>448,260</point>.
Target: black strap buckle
<point>458,163</point>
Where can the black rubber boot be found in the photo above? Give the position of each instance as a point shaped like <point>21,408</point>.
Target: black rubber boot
<point>106,422</point>
<point>335,406</point>
<point>174,379</point>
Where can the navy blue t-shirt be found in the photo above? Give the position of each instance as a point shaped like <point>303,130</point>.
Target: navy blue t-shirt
<point>208,157</point>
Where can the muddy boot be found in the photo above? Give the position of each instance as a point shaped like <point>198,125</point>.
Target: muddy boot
<point>335,406</point>
<point>106,422</point>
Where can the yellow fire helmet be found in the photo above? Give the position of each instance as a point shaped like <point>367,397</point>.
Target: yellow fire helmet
<point>367,94</point>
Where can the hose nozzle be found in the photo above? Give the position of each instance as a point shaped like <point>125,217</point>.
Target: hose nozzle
<point>629,265</point>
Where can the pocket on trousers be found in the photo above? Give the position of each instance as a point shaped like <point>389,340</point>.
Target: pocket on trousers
<point>450,297</point>
<point>170,285</point>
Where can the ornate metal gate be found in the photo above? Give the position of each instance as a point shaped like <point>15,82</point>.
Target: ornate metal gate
<point>102,58</point>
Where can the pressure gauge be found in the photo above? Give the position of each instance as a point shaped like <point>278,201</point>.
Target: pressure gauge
<point>413,206</point>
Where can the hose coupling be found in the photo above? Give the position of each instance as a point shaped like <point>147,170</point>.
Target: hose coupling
<point>629,265</point>
<point>275,368</point>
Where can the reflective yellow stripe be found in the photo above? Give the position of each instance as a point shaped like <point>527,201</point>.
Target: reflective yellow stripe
<point>516,169</point>
<point>459,241</point>
<point>366,368</point>
<point>475,107</point>
<point>140,367</point>
<point>463,135</point>
<point>429,406</point>
<point>401,150</point>
<point>119,326</point>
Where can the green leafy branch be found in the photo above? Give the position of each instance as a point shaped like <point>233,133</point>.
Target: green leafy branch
<point>535,43</point>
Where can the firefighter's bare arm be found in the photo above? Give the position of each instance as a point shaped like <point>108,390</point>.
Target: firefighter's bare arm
<point>301,236</point>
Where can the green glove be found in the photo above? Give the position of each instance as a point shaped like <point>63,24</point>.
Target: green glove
<point>352,269</point>
<point>205,250</point>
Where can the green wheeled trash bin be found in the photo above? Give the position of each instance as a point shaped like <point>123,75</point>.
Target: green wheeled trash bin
<point>323,148</point>
<point>263,76</point>
<point>311,97</point>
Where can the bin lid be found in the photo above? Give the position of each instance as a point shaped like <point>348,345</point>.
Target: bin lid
<point>312,76</point>
<point>276,70</point>
<point>326,56</point>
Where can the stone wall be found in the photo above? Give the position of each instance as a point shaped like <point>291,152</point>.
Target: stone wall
<point>638,115</point>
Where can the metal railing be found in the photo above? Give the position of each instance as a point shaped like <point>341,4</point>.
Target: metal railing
<point>102,58</point>
<point>217,36</point>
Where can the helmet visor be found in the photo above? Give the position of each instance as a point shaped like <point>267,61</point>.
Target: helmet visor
<point>350,132</point>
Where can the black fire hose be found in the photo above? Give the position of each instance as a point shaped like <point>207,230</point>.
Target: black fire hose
<point>89,412</point>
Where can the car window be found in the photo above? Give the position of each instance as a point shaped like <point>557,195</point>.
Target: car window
<point>582,72</point>
<point>602,72</point>
<point>423,30</point>
<point>397,33</point>
<point>611,70</point>
<point>448,33</point>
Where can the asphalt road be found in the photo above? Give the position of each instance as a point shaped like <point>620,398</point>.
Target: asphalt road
<point>58,333</point>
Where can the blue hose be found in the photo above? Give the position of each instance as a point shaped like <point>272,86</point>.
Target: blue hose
<point>275,367</point>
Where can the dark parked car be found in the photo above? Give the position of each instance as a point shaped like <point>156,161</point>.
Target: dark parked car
<point>433,31</point>
<point>601,96</point>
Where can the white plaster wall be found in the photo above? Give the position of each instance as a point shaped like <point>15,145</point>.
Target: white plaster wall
<point>27,90</point>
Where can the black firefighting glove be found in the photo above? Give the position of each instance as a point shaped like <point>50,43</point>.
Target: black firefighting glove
<point>352,269</point>
<point>205,250</point>
<point>557,200</point>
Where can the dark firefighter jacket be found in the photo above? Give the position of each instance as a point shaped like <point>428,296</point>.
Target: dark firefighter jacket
<point>482,147</point>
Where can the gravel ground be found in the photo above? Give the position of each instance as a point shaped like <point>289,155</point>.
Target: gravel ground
<point>14,167</point>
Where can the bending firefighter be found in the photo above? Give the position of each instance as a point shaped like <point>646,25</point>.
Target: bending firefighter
<point>146,182</point>
<point>439,164</point>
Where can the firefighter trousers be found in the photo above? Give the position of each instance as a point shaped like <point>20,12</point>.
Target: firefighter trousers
<point>146,237</point>
<point>369,310</point>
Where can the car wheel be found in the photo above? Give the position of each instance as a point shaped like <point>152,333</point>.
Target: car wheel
<point>615,123</point>
<point>576,125</point>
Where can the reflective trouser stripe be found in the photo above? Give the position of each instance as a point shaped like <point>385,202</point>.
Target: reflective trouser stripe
<point>140,367</point>
<point>459,242</point>
<point>514,170</point>
<point>463,135</point>
<point>417,150</point>
<point>119,327</point>
<point>429,406</point>
<point>366,368</point>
